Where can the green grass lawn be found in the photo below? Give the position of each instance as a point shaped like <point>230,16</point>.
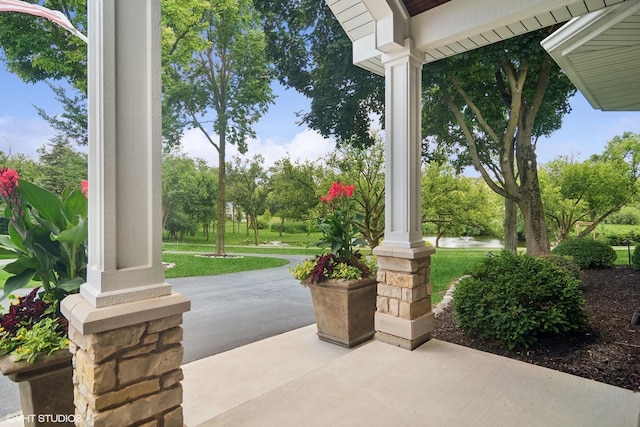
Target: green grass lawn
<point>235,236</point>
<point>240,249</point>
<point>619,229</point>
<point>187,265</point>
<point>449,264</point>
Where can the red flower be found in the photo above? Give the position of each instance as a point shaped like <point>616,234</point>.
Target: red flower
<point>84,187</point>
<point>8,181</point>
<point>349,189</point>
<point>337,190</point>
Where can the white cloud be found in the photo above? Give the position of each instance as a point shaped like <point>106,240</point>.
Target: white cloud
<point>24,135</point>
<point>305,145</point>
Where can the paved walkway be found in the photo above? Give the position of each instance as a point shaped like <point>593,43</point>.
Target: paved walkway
<point>294,379</point>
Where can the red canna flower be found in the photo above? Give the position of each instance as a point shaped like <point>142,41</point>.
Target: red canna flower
<point>8,182</point>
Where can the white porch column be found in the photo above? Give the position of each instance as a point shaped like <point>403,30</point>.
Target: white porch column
<point>125,194</point>
<point>403,316</point>
<point>125,324</point>
<point>403,90</point>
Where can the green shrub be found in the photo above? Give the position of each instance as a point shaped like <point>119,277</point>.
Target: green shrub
<point>290,227</point>
<point>587,253</point>
<point>564,262</point>
<point>627,215</point>
<point>619,240</point>
<point>518,299</point>
<point>635,258</point>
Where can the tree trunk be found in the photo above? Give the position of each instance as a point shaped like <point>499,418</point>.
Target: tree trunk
<point>221,223</point>
<point>535,227</point>
<point>233,218</point>
<point>510,225</point>
<point>255,230</point>
<point>530,200</point>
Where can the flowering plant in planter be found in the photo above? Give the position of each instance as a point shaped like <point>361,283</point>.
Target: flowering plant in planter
<point>339,234</point>
<point>48,235</point>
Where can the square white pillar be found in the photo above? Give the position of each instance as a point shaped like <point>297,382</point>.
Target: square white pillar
<point>125,143</point>
<point>403,89</point>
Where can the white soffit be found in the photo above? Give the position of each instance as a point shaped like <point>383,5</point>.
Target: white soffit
<point>600,52</point>
<point>459,25</point>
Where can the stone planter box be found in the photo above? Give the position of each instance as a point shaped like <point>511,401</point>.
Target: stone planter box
<point>344,310</point>
<point>46,388</point>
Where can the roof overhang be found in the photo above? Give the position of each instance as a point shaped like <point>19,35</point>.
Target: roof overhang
<point>600,52</point>
<point>379,26</point>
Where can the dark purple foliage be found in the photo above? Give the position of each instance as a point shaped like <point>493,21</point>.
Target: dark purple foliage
<point>324,267</point>
<point>27,311</point>
<point>325,264</point>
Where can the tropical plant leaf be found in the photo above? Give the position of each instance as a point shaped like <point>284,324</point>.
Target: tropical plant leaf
<point>47,204</point>
<point>16,238</point>
<point>8,245</point>
<point>74,236</point>
<point>70,285</point>
<point>75,207</point>
<point>20,265</point>
<point>16,282</point>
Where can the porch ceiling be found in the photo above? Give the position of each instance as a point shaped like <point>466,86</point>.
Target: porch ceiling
<point>600,52</point>
<point>415,7</point>
<point>447,28</point>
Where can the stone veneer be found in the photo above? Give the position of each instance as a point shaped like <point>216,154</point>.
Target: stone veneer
<point>128,375</point>
<point>404,317</point>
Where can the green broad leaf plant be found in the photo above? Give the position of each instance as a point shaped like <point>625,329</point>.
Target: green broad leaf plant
<point>340,235</point>
<point>48,235</point>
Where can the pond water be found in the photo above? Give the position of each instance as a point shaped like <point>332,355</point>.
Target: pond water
<point>465,242</point>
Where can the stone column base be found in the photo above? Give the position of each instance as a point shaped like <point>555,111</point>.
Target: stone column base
<point>404,317</point>
<point>404,333</point>
<point>127,361</point>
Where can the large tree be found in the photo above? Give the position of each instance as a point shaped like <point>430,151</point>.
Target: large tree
<point>586,193</point>
<point>36,49</point>
<point>454,203</point>
<point>249,188</point>
<point>490,105</point>
<point>313,55</point>
<point>61,166</point>
<point>364,168</point>
<point>217,78</point>
<point>188,194</point>
<point>294,190</point>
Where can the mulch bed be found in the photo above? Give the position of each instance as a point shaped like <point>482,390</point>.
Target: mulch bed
<point>608,351</point>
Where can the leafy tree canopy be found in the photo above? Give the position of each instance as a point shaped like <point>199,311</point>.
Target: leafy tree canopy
<point>590,191</point>
<point>37,49</point>
<point>313,55</point>
<point>487,107</point>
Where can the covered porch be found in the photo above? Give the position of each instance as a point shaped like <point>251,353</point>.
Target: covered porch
<point>125,323</point>
<point>294,379</point>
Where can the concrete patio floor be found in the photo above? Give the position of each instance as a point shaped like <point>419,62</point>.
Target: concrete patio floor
<point>294,379</point>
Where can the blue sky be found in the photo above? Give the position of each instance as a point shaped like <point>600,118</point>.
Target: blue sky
<point>585,131</point>
<point>278,134</point>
